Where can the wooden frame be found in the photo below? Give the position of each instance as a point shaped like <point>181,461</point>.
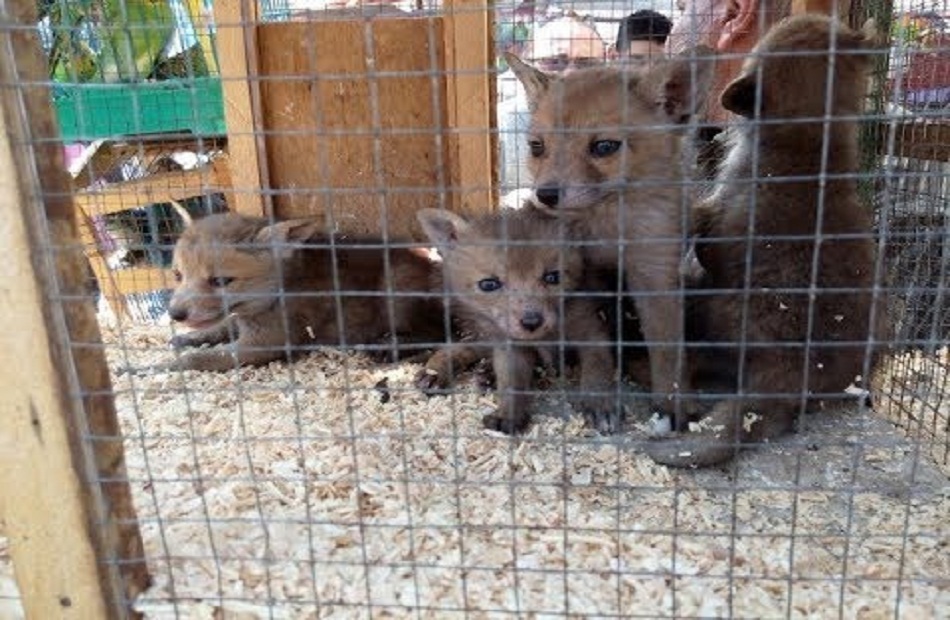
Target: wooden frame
<point>66,504</point>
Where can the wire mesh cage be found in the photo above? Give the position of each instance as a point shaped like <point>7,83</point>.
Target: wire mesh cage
<point>458,308</point>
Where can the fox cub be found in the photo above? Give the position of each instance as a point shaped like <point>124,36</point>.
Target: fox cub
<point>759,241</point>
<point>608,153</point>
<point>275,287</point>
<point>515,286</point>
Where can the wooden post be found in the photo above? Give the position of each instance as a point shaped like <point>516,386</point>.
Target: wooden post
<point>470,101</point>
<point>74,540</point>
<point>236,23</point>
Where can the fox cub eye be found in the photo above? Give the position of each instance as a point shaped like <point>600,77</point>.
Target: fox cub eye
<point>489,285</point>
<point>537,147</point>
<point>177,275</point>
<point>219,282</point>
<point>552,277</point>
<point>604,148</point>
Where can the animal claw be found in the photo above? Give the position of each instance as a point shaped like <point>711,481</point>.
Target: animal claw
<point>505,424</point>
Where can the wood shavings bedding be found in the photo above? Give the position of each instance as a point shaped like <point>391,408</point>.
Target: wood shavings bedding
<point>295,484</point>
<point>915,389</point>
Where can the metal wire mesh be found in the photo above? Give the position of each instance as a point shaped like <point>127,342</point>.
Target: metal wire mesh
<point>326,483</point>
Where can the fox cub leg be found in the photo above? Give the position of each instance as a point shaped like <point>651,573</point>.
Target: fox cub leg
<point>514,373</point>
<point>588,334</point>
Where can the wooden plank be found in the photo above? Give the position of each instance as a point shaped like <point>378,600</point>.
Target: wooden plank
<point>470,101</point>
<point>108,153</point>
<point>236,23</point>
<point>142,279</point>
<point>156,188</point>
<point>100,267</point>
<point>319,87</point>
<point>75,544</point>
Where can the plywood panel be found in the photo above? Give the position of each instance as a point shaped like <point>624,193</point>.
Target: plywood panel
<point>352,129</point>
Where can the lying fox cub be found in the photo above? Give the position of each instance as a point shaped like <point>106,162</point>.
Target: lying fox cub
<point>509,278</point>
<point>275,288</point>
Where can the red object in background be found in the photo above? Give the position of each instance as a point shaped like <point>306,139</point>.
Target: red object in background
<point>924,80</point>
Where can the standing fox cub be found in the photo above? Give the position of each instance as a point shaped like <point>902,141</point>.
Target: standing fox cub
<point>274,287</point>
<point>800,310</point>
<point>608,154</point>
<point>509,278</point>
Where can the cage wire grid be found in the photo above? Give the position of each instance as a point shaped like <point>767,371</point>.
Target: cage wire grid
<point>331,486</point>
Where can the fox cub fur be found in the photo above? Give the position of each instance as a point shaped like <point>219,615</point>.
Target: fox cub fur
<point>509,278</point>
<point>758,245</point>
<point>273,287</point>
<point>609,154</point>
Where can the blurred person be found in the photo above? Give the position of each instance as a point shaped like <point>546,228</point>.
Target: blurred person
<point>562,44</point>
<point>642,36</point>
<point>731,28</point>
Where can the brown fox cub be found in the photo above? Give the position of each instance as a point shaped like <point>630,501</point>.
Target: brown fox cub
<point>758,240</point>
<point>509,277</point>
<point>271,287</point>
<point>608,153</point>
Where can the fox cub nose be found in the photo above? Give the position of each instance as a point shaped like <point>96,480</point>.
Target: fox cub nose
<point>178,314</point>
<point>548,195</point>
<point>532,320</point>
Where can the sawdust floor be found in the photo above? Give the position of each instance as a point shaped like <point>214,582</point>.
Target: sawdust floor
<point>296,484</point>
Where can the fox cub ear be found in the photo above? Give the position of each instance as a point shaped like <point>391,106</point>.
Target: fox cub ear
<point>182,212</point>
<point>739,96</point>
<point>283,233</point>
<point>535,81</point>
<point>678,86</point>
<point>442,227</point>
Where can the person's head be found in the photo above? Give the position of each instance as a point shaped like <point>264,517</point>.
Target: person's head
<point>732,28</point>
<point>564,43</point>
<point>643,34</point>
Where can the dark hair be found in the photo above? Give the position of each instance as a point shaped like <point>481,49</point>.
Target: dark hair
<point>643,25</point>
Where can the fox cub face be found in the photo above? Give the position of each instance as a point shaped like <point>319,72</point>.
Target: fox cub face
<point>789,67</point>
<point>595,131</point>
<point>226,264</point>
<point>508,272</point>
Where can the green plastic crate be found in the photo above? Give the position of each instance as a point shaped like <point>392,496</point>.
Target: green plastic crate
<point>94,111</point>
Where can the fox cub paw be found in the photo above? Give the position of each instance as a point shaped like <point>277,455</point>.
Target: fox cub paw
<point>431,382</point>
<point>601,412</point>
<point>181,341</point>
<point>509,424</point>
